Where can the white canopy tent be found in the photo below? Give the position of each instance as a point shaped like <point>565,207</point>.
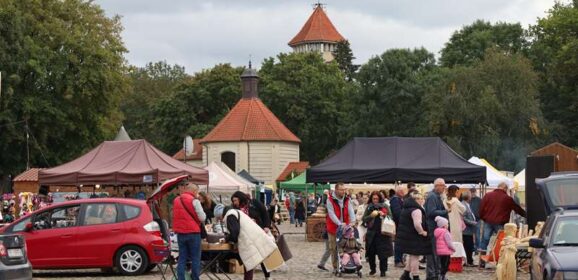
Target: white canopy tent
<point>222,184</point>
<point>493,176</point>
<point>520,178</point>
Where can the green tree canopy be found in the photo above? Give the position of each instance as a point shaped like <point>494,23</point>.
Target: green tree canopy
<point>554,52</point>
<point>489,109</point>
<point>344,59</point>
<point>196,106</point>
<point>391,88</point>
<point>311,98</point>
<point>469,44</point>
<point>63,71</point>
<point>150,84</point>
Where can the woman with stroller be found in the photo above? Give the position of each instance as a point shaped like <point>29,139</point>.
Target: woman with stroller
<point>350,248</point>
<point>377,243</point>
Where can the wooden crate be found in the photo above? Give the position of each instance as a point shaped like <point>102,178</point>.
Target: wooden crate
<point>315,228</point>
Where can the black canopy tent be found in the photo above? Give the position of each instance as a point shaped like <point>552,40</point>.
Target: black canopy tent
<point>395,159</point>
<point>250,178</point>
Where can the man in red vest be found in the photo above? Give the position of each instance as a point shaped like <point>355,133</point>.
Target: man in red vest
<point>188,217</point>
<point>339,214</point>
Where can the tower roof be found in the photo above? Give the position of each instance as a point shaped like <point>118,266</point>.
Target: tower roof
<point>250,120</point>
<point>318,28</point>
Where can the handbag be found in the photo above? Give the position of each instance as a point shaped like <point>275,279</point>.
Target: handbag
<point>201,225</point>
<point>388,227</point>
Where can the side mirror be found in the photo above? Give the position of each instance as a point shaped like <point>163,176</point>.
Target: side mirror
<point>537,243</point>
<point>28,227</point>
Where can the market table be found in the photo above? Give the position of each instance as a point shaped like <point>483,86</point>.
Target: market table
<point>217,252</point>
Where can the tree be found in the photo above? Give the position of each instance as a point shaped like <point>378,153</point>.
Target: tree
<point>554,52</point>
<point>63,73</point>
<point>150,84</point>
<point>344,58</point>
<point>469,44</point>
<point>311,98</point>
<point>391,88</point>
<point>489,109</point>
<point>196,106</point>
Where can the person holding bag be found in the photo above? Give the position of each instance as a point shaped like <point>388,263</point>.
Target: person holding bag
<point>377,244</point>
<point>188,223</point>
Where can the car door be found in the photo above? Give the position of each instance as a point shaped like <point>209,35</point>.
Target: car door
<point>540,255</point>
<point>51,242</point>
<point>100,234</point>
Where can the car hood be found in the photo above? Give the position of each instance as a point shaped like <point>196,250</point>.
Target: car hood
<point>566,257</point>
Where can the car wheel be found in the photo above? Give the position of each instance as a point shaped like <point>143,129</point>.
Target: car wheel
<point>131,260</point>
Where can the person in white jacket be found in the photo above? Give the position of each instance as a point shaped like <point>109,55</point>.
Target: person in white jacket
<point>252,242</point>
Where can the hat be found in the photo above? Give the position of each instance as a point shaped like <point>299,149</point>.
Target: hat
<point>219,209</point>
<point>441,221</point>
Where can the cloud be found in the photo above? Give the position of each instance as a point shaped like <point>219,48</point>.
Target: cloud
<point>200,34</point>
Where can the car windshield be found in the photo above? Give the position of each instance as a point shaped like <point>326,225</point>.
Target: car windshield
<point>563,193</point>
<point>565,233</point>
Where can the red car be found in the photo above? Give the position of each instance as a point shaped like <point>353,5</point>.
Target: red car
<point>124,234</point>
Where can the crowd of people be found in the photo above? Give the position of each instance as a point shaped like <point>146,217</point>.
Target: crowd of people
<point>429,226</point>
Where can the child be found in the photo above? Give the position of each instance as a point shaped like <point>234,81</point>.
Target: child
<point>350,247</point>
<point>444,246</point>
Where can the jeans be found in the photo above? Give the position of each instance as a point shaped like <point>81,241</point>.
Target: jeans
<point>332,240</point>
<point>477,236</point>
<point>189,250</point>
<point>489,230</point>
<point>397,254</point>
<point>292,215</point>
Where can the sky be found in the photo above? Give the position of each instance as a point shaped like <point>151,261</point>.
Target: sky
<point>200,34</point>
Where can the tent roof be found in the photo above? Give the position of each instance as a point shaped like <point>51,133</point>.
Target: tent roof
<point>493,175</point>
<point>222,181</point>
<point>250,178</point>
<point>299,183</point>
<point>122,135</point>
<point>390,159</point>
<point>120,162</point>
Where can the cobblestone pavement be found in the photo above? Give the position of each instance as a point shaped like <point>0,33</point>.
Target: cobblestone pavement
<point>306,255</point>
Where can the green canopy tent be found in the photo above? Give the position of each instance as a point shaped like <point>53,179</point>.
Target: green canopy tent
<point>298,184</point>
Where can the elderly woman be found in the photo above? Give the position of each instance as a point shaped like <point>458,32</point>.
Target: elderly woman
<point>468,233</point>
<point>456,213</point>
<point>412,234</point>
<point>377,243</point>
<point>253,244</point>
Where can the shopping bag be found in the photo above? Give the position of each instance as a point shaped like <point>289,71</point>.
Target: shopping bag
<point>388,227</point>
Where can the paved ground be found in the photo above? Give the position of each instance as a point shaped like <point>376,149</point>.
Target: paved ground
<point>303,266</point>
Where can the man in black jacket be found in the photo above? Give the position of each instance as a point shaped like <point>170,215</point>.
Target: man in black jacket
<point>396,205</point>
<point>434,207</point>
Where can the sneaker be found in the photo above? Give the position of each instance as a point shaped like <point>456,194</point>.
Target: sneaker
<point>321,267</point>
<point>372,272</point>
<point>382,274</point>
<point>421,267</point>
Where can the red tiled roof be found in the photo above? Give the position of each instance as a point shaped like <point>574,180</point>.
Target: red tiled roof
<point>296,166</point>
<point>197,152</point>
<point>30,175</point>
<point>317,28</point>
<point>250,120</point>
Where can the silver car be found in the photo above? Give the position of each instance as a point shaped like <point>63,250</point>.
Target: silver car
<point>14,264</point>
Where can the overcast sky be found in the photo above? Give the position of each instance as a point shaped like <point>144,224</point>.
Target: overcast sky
<point>199,34</point>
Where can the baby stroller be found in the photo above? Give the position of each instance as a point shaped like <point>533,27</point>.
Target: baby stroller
<point>347,246</point>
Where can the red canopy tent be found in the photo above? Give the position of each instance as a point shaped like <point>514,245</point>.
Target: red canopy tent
<point>121,162</point>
